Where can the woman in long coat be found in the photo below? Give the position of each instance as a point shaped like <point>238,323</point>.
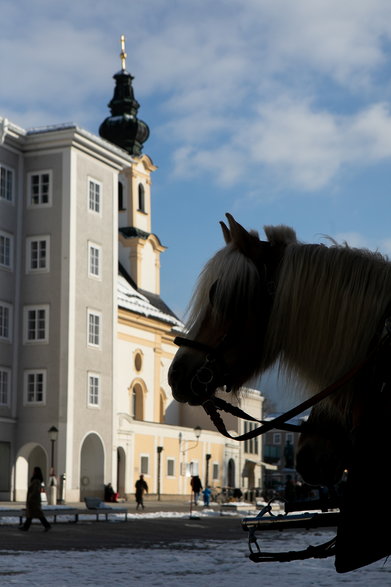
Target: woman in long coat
<point>33,502</point>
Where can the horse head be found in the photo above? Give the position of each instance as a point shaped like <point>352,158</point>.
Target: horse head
<point>229,315</point>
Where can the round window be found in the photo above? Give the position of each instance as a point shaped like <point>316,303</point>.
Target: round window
<point>138,361</point>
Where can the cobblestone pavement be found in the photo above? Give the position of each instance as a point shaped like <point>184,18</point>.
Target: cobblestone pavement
<point>135,533</point>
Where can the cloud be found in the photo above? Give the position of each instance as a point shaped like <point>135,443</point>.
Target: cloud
<point>240,86</point>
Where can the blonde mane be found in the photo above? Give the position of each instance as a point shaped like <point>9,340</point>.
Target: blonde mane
<point>327,310</point>
<point>237,286</point>
<point>328,307</point>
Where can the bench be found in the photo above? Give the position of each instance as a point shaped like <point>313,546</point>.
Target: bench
<point>95,505</point>
<point>236,507</point>
<point>54,513</point>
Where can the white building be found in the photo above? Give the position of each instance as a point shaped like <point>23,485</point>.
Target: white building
<point>85,338</point>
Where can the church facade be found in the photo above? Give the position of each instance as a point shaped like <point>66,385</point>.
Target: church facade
<point>85,337</point>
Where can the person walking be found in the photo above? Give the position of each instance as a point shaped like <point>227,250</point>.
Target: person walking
<point>207,493</point>
<point>196,487</point>
<point>141,488</point>
<point>33,502</point>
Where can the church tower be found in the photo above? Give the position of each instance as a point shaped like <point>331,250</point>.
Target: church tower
<point>139,249</point>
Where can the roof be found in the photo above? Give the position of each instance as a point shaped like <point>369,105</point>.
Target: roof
<point>145,303</point>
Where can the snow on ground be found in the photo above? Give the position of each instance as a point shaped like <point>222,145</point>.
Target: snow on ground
<point>188,564</point>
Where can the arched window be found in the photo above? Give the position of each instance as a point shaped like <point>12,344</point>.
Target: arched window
<point>141,197</point>
<point>137,402</point>
<point>120,196</point>
<point>162,407</point>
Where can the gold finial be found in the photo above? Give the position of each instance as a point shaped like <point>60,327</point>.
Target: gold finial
<point>123,54</point>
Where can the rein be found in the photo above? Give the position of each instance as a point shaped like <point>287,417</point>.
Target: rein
<point>213,405</point>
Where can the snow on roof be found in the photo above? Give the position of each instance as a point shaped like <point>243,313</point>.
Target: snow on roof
<point>130,299</point>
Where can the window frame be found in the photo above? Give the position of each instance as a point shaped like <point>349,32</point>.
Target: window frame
<point>141,198</point>
<point>9,326</point>
<point>98,248</point>
<point>96,314</point>
<point>29,242</point>
<point>95,203</point>
<point>7,170</point>
<point>40,203</point>
<point>170,462</point>
<point>144,458</point>
<point>26,324</point>
<point>8,237</point>
<point>95,393</point>
<point>35,373</point>
<point>7,391</point>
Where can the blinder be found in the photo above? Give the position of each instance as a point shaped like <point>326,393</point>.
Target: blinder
<point>213,372</point>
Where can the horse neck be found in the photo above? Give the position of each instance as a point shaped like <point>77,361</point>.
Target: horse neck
<point>327,310</point>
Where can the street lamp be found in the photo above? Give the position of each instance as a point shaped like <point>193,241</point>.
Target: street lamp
<point>159,454</point>
<point>207,458</point>
<point>53,435</point>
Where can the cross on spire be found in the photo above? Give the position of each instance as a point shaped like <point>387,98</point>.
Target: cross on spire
<point>123,55</point>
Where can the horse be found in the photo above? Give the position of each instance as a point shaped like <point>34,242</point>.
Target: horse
<point>316,312</point>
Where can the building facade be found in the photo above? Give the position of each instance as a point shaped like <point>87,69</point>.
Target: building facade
<point>85,338</point>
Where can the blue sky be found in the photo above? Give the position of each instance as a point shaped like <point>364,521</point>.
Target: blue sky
<point>276,111</point>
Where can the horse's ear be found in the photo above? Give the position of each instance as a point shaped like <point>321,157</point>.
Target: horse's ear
<point>240,237</point>
<point>226,233</point>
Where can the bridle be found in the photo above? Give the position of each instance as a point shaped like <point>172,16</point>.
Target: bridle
<point>214,364</point>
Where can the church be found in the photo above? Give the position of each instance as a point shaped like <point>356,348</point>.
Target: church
<point>86,339</point>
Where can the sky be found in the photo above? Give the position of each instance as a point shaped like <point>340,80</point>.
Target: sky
<point>276,111</point>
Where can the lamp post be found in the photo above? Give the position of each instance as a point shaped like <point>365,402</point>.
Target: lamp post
<point>159,454</point>
<point>207,458</point>
<point>197,433</point>
<point>53,435</point>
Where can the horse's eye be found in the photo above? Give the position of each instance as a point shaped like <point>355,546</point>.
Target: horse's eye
<point>212,293</point>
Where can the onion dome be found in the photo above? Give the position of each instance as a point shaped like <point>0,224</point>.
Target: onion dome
<point>123,128</point>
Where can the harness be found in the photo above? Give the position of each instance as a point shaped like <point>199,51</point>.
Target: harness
<point>207,374</point>
<point>214,363</point>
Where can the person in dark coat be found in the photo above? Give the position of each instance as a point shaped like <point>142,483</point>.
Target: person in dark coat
<point>196,487</point>
<point>33,502</point>
<point>110,494</point>
<point>141,488</point>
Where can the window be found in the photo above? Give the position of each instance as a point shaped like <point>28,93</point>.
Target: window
<point>40,188</point>
<point>36,324</point>
<point>35,386</point>
<point>251,445</point>
<point>94,328</point>
<point>289,437</point>
<point>94,196</point>
<point>144,465</point>
<point>6,243</point>
<point>5,321</point>
<point>215,471</point>
<point>93,389</point>
<point>170,467</point>
<point>94,256</point>
<point>138,361</point>
<point>277,438</point>
<point>5,383</point>
<point>162,407</point>
<point>120,196</point>
<point>137,402</point>
<point>141,198</point>
<point>37,255</point>
<point>6,184</point>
